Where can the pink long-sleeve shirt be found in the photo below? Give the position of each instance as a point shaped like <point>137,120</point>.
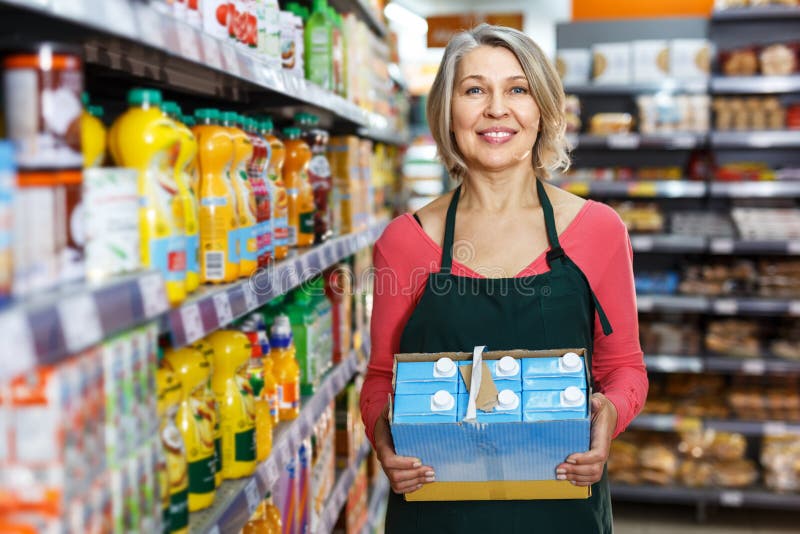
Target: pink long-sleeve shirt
<point>596,240</point>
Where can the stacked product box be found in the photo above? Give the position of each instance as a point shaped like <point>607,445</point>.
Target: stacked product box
<point>497,434</point>
<point>349,428</point>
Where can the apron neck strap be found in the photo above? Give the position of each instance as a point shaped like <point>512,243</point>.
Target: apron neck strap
<point>449,232</point>
<point>555,252</point>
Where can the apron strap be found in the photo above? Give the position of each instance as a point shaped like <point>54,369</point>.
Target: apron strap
<point>555,252</point>
<point>449,233</point>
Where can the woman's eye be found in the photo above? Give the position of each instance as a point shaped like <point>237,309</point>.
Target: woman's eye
<point>519,91</point>
<point>474,91</point>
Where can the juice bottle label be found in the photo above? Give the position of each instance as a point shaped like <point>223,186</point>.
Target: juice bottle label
<point>233,245</point>
<point>287,40</point>
<point>307,222</point>
<point>179,510</point>
<point>245,446</point>
<point>168,255</point>
<point>201,476</point>
<point>192,253</point>
<point>248,242</point>
<point>280,232</point>
<point>290,396</point>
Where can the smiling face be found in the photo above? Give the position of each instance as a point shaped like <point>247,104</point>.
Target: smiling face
<point>495,119</point>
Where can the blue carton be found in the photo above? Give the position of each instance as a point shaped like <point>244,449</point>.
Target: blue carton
<point>441,407</point>
<point>569,403</point>
<point>492,460</point>
<point>426,378</point>
<point>509,409</point>
<point>506,373</point>
<point>557,373</point>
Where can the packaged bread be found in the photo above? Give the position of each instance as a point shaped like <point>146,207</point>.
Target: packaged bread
<point>735,473</point>
<point>611,63</point>
<point>610,123</point>
<point>695,473</point>
<point>778,60</point>
<point>573,65</point>
<point>728,446</point>
<point>739,62</point>
<point>623,456</point>
<point>696,443</point>
<point>658,458</point>
<point>690,58</point>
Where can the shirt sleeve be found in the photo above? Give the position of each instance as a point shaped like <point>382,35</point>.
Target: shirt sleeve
<point>606,257</point>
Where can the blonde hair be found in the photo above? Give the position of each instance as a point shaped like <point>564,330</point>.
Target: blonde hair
<point>550,149</point>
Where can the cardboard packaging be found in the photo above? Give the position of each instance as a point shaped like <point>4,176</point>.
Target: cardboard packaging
<point>574,65</point>
<point>611,62</point>
<point>690,58</point>
<point>497,461</point>
<point>650,60</point>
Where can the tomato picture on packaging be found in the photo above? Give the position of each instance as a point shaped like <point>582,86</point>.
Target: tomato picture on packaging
<point>215,17</point>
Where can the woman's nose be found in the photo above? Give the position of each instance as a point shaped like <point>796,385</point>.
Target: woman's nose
<point>496,106</point>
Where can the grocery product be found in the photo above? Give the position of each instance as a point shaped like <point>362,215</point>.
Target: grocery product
<point>304,486</point>
<point>319,46</point>
<point>210,408</point>
<point>610,123</point>
<point>296,58</point>
<point>279,200</point>
<point>142,138</point>
<point>750,113</point>
<point>257,174</point>
<point>174,472</point>
<point>304,333</point>
<point>288,42</point>
<point>286,369</point>
<point>286,496</point>
<point>338,289</point>
<point>338,53</point>
<point>93,136</point>
<point>324,325</point>
<point>262,401</point>
<point>269,32</point>
<point>8,179</point>
<point>242,24</point>
<point>42,88</point>
<point>690,58</point>
<point>298,190</point>
<point>185,203</point>
<point>650,60</point>
<point>611,63</point>
<point>192,371</point>
<point>245,199</point>
<point>215,17</point>
<point>219,243</point>
<point>235,398</point>
<point>319,176</point>
<point>573,65</point>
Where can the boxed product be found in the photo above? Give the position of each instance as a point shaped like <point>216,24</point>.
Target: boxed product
<point>650,60</point>
<point>573,65</point>
<point>611,62</point>
<point>484,444</point>
<point>690,58</point>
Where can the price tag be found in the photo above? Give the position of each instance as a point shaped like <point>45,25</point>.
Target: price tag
<point>642,243</point>
<point>192,323</point>
<point>687,424</point>
<point>793,247</point>
<point>250,297</point>
<point>211,53</point>
<point>187,41</point>
<point>17,340</point>
<point>794,307</point>
<point>684,141</point>
<point>754,367</point>
<point>79,321</point>
<point>623,141</point>
<point>725,306</point>
<point>722,245</point>
<point>153,294</point>
<point>645,303</point>
<point>774,428</point>
<point>252,495</point>
<point>293,278</point>
<point>231,59</point>
<point>731,498</point>
<point>222,304</point>
<point>150,26</point>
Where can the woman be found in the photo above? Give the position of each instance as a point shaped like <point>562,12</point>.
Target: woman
<point>496,113</point>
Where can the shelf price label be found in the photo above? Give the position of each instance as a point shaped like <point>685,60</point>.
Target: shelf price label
<point>794,308</point>
<point>793,246</point>
<point>725,306</point>
<point>722,245</point>
<point>17,339</point>
<point>150,26</point>
<point>222,305</point>
<point>578,188</point>
<point>623,141</point>
<point>153,294</point>
<point>79,321</point>
<point>731,498</point>
<point>645,303</point>
<point>214,530</point>
<point>272,473</point>
<point>71,8</point>
<point>251,493</point>
<point>774,428</point>
<point>643,189</point>
<point>688,424</point>
<point>684,141</point>
<point>192,323</point>
<point>754,367</point>
<point>250,297</point>
<point>642,243</point>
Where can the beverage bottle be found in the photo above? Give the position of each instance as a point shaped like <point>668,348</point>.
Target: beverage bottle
<point>143,138</point>
<point>245,199</point>
<point>191,167</point>
<point>197,430</point>
<point>279,200</point>
<point>210,408</point>
<point>219,236</point>
<point>319,175</point>
<point>269,33</point>
<point>337,52</point>
<point>319,47</point>
<point>93,135</point>
<point>174,473</point>
<point>255,372</point>
<point>257,174</point>
<point>324,318</point>
<point>184,205</point>
<point>302,318</point>
<point>300,195</point>
<point>287,372</point>
<point>236,403</point>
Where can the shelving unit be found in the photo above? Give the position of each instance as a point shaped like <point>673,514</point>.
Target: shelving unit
<point>337,498</point>
<point>687,244</point>
<point>765,365</point>
<point>758,13</point>
<point>761,139</point>
<point>677,423</point>
<point>755,84</point>
<point>718,306</point>
<point>757,498</point>
<point>636,88</point>
<point>634,141</point>
<point>379,492</point>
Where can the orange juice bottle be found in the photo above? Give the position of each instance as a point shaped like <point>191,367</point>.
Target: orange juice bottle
<point>272,390</point>
<point>277,191</point>
<point>301,197</point>
<point>219,256</point>
<point>287,372</point>
<point>245,198</point>
<point>255,372</point>
<point>210,408</point>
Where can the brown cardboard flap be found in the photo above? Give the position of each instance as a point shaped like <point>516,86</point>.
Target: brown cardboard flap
<point>500,490</point>
<point>487,394</point>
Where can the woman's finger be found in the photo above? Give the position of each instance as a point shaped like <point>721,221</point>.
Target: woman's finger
<point>423,474</point>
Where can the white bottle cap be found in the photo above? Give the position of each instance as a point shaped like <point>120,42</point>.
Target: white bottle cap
<point>507,400</point>
<point>570,363</point>
<point>441,401</point>
<point>572,396</point>
<point>507,366</point>
<point>444,368</point>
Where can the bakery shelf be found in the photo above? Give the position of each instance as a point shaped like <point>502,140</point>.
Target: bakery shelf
<point>635,88</point>
<point>724,245</point>
<point>755,189</point>
<point>635,141</point>
<point>752,497</point>
<point>755,84</point>
<point>755,13</point>
<point>718,306</point>
<point>338,496</point>
<point>677,423</point>
<point>687,244</point>
<point>669,243</point>
<point>636,188</point>
<point>672,303</point>
<point>667,363</point>
<point>379,493</point>
<point>237,499</point>
<point>49,327</point>
<point>756,139</point>
<point>213,307</point>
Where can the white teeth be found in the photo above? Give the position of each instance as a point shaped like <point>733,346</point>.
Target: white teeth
<point>498,134</point>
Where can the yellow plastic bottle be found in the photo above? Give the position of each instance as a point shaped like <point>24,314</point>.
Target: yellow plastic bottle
<point>263,520</point>
<point>185,204</point>
<point>245,198</point>
<point>298,190</point>
<point>236,404</point>
<point>272,390</point>
<point>197,430</point>
<point>174,480</point>
<point>211,407</point>
<point>219,243</point>
<point>277,191</point>
<point>287,371</point>
<point>142,138</point>
<point>264,422</point>
<point>93,136</point>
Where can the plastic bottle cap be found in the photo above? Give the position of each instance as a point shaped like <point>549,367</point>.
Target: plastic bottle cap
<point>96,111</point>
<point>507,366</point>
<point>171,108</point>
<point>572,396</point>
<point>139,97</point>
<point>442,401</point>
<point>507,400</point>
<point>444,367</point>
<point>228,116</point>
<point>267,124</point>
<point>570,362</point>
<point>291,132</point>
<point>207,113</point>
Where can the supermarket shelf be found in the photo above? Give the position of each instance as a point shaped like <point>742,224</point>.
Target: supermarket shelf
<point>687,244</point>
<point>214,307</point>
<point>718,306</point>
<point>669,243</point>
<point>755,84</point>
<point>379,493</point>
<point>364,12</point>
<point>133,37</point>
<point>754,189</point>
<point>639,189</point>
<point>755,13</point>
<point>667,363</point>
<point>723,245</point>
<point>338,496</point>
<point>760,139</point>
<point>635,88</point>
<point>672,303</point>
<point>756,498</point>
<point>634,141</point>
<point>236,500</point>
<point>47,329</point>
<point>677,423</point>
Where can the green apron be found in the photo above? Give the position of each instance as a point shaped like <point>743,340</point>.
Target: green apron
<point>551,310</point>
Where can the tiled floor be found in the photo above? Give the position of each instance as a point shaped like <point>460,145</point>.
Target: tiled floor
<point>632,518</point>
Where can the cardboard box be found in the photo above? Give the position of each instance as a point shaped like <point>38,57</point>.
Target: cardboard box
<point>650,60</point>
<point>574,65</point>
<point>690,58</point>
<point>498,461</point>
<point>611,62</point>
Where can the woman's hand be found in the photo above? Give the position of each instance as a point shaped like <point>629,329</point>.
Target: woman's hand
<point>405,474</point>
<point>586,468</point>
